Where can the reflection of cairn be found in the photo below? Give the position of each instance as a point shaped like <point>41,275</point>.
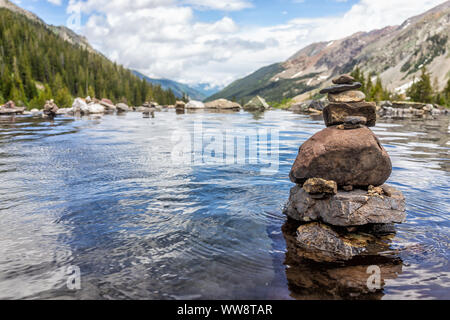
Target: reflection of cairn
<point>308,279</point>
<point>50,108</point>
<point>340,174</point>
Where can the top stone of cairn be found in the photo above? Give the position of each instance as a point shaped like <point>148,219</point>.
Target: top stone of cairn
<point>344,79</point>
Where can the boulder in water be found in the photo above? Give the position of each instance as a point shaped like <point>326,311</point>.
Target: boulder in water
<point>256,104</point>
<point>223,104</point>
<point>79,106</point>
<point>108,105</point>
<point>193,104</point>
<point>95,108</point>
<point>122,107</point>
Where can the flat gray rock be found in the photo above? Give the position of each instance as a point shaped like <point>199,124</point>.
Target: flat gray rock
<point>354,208</point>
<point>341,88</point>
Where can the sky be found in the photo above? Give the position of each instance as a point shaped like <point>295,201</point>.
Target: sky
<point>216,41</point>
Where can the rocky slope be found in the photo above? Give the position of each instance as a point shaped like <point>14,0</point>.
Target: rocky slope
<point>63,32</point>
<point>396,53</point>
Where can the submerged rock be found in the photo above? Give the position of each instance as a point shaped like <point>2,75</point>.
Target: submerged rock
<point>354,208</point>
<point>256,104</point>
<point>349,157</point>
<point>336,113</point>
<point>321,243</point>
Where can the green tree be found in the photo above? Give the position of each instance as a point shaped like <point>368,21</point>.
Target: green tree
<point>38,102</point>
<point>63,99</point>
<point>421,90</point>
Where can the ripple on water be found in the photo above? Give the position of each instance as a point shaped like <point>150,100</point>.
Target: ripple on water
<point>102,194</point>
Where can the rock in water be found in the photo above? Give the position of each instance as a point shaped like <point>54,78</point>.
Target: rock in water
<point>256,104</point>
<point>321,243</point>
<point>349,157</point>
<point>318,186</point>
<point>347,96</point>
<point>195,105</point>
<point>122,107</point>
<point>335,113</point>
<point>344,79</point>
<point>79,106</point>
<point>95,108</point>
<point>180,105</point>
<point>338,88</point>
<point>50,108</point>
<point>108,105</point>
<point>223,104</point>
<point>354,208</point>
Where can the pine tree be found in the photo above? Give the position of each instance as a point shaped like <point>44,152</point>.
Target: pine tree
<point>421,91</point>
<point>63,99</point>
<point>31,53</point>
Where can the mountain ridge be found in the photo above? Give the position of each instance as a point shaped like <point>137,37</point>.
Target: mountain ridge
<point>396,53</point>
<point>177,88</point>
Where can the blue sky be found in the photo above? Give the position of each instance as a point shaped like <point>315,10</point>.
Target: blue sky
<point>217,41</point>
<point>262,13</point>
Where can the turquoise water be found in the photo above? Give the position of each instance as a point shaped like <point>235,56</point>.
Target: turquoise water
<point>104,195</point>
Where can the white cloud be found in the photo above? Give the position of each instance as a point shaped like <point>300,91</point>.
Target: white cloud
<point>55,2</point>
<point>228,5</point>
<point>161,38</point>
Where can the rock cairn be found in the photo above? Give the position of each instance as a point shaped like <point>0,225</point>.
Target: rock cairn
<point>339,175</point>
<point>10,108</point>
<point>50,109</point>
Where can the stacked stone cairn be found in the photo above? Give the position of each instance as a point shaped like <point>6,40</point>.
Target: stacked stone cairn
<point>340,200</point>
<point>50,109</point>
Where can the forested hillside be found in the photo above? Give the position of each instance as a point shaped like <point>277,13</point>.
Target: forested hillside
<point>36,65</point>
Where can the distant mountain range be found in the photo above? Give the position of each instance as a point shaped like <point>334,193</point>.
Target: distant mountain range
<point>396,53</point>
<point>199,92</point>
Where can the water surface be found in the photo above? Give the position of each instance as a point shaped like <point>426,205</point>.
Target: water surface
<point>102,194</point>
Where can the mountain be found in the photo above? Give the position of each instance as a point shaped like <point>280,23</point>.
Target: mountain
<point>177,88</point>
<point>39,62</point>
<point>396,53</point>
<point>63,32</point>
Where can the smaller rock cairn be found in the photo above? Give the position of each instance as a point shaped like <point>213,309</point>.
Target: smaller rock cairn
<point>50,109</point>
<point>340,174</point>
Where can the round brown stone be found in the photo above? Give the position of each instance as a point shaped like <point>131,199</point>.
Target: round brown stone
<point>349,157</point>
<point>347,96</point>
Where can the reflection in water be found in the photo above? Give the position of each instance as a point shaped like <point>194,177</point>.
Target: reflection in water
<point>340,280</point>
<point>101,193</point>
